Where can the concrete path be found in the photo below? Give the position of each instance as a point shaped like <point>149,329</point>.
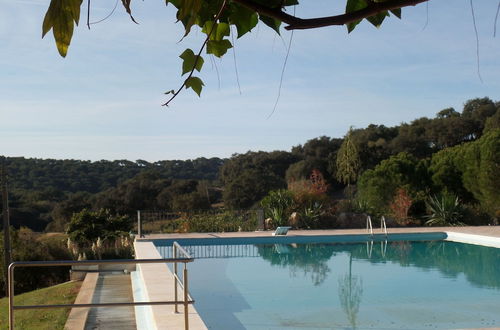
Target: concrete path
<point>112,287</point>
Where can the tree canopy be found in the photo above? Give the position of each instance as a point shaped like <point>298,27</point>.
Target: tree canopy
<point>215,19</point>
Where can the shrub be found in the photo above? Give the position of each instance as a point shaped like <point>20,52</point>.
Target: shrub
<point>445,209</point>
<point>400,206</point>
<point>87,226</point>
<point>277,205</point>
<point>227,221</point>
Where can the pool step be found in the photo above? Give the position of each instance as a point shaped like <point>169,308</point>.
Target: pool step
<point>112,287</point>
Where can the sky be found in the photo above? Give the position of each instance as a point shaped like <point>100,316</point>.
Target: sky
<point>103,101</point>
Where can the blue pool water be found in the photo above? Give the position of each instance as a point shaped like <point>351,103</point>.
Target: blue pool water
<point>369,285</point>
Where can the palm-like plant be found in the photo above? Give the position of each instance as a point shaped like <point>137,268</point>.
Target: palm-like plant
<point>445,209</point>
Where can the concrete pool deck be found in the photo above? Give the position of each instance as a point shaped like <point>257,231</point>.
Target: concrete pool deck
<point>490,231</point>
<point>158,278</point>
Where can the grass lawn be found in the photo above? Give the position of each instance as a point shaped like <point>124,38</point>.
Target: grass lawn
<point>41,318</point>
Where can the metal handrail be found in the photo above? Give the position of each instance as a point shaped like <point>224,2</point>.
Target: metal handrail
<point>177,282</point>
<point>369,226</point>
<point>383,226</point>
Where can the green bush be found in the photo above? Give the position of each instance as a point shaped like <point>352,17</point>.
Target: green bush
<point>445,210</point>
<point>277,206</point>
<point>88,226</point>
<point>27,246</point>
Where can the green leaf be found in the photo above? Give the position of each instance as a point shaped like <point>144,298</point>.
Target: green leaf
<point>377,19</point>
<point>396,12</point>
<point>244,19</point>
<point>194,83</point>
<point>218,47</point>
<point>222,31</point>
<point>61,17</point>
<point>354,5</point>
<point>271,22</point>
<point>188,12</point>
<point>189,61</point>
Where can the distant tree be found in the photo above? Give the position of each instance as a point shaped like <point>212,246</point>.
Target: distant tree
<point>412,138</point>
<point>373,144</point>
<point>492,122</point>
<point>378,187</point>
<point>479,110</point>
<point>348,163</point>
<point>480,164</point>
<point>247,178</point>
<point>191,201</point>
<point>447,113</point>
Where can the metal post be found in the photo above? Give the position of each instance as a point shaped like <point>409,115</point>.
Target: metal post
<point>260,219</point>
<point>139,224</point>
<point>186,298</point>
<point>10,289</point>
<point>175,278</point>
<point>6,223</point>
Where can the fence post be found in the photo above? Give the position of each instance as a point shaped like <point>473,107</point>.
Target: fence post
<point>10,284</point>
<point>139,224</point>
<point>260,219</point>
<point>186,298</point>
<point>174,250</point>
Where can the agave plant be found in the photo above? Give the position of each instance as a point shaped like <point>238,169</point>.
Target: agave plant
<point>445,209</point>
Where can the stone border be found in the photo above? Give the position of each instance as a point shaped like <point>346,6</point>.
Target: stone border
<point>77,318</point>
<point>157,284</point>
<point>473,239</point>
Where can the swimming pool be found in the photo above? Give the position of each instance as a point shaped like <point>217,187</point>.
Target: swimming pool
<point>417,282</point>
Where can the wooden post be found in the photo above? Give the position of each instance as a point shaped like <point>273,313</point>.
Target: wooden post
<point>6,224</point>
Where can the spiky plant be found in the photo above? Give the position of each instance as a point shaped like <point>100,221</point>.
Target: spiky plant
<point>446,210</point>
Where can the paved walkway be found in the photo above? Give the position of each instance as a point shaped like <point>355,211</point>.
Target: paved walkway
<point>112,287</point>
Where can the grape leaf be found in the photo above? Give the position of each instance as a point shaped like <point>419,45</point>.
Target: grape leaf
<point>244,19</point>
<point>396,12</point>
<point>271,22</point>
<point>195,84</point>
<point>218,47</point>
<point>189,61</point>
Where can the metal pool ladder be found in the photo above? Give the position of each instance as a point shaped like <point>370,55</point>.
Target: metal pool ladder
<point>369,226</point>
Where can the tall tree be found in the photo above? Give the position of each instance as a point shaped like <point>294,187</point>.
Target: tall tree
<point>348,163</point>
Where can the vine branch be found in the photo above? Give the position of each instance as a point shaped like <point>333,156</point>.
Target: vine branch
<point>296,23</point>
<point>198,55</point>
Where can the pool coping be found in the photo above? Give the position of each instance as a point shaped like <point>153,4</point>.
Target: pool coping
<point>157,282</point>
<point>156,276</point>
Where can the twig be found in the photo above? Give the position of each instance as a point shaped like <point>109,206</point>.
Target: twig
<point>496,19</point>
<point>235,64</point>
<point>282,75</point>
<point>198,55</point>
<point>477,40</point>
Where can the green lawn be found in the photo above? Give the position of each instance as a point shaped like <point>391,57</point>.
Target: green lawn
<point>41,318</point>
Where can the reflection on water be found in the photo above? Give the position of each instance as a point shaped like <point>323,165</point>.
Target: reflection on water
<point>310,259</point>
<point>350,292</point>
<point>374,285</point>
<point>480,265</point>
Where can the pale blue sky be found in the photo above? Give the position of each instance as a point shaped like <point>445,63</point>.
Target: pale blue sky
<point>103,100</point>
